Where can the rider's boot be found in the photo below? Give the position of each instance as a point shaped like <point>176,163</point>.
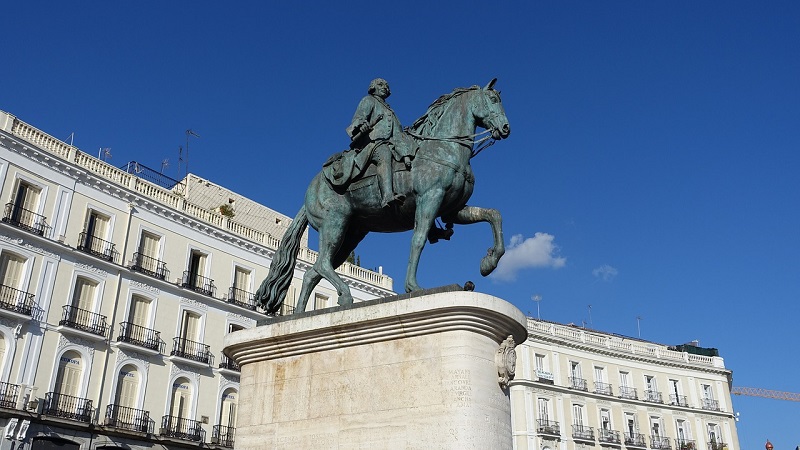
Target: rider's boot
<point>385,180</point>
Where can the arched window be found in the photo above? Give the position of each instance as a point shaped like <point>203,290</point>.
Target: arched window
<point>2,352</point>
<point>70,371</point>
<point>181,401</point>
<point>65,400</point>
<point>127,394</point>
<point>228,408</point>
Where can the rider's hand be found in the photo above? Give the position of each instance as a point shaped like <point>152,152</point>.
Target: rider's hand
<point>364,128</point>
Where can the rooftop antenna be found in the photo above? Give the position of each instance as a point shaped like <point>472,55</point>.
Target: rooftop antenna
<point>638,327</point>
<point>591,325</point>
<point>164,164</point>
<point>104,153</point>
<point>189,132</point>
<point>180,159</point>
<point>537,298</point>
<point>71,137</point>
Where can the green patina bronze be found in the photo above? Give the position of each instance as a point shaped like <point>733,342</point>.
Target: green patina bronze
<point>392,180</point>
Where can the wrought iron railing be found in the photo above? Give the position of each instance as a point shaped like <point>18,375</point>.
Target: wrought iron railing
<point>118,416</point>
<point>242,298</point>
<point>199,284</point>
<point>610,436</point>
<point>578,383</point>
<point>182,428</point>
<point>141,336</point>
<point>717,445</point>
<point>149,266</point>
<point>27,220</point>
<point>685,444</point>
<point>8,395</point>
<point>222,435</point>
<point>661,443</point>
<point>15,300</point>
<point>227,363</point>
<point>582,432</point>
<point>196,351</point>
<point>678,400</point>
<point>97,247</point>
<point>286,310</point>
<point>653,396</point>
<point>81,319</point>
<point>548,427</point>
<point>710,404</point>
<point>603,388</point>
<point>628,392</point>
<point>635,440</point>
<point>153,176</point>
<point>67,407</point>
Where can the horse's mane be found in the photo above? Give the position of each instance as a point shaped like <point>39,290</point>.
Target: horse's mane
<point>430,120</point>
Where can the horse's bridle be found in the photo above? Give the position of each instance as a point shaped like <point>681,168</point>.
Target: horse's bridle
<point>468,140</point>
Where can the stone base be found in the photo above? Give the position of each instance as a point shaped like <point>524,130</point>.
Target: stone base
<point>413,373</point>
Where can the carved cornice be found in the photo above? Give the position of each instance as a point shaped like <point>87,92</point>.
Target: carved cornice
<point>123,355</point>
<point>93,269</point>
<point>184,369</point>
<point>194,303</point>
<point>20,242</point>
<point>242,318</point>
<point>144,286</point>
<point>64,341</point>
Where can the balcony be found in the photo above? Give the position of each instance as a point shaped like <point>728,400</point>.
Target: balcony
<point>8,395</point>
<point>182,428</point>
<point>140,336</point>
<point>93,245</point>
<point>603,388</point>
<point>201,285</point>
<point>83,320</point>
<point>27,220</point>
<point>548,427</point>
<point>653,397</point>
<point>223,436</point>
<point>228,364</point>
<point>685,444</point>
<point>628,392</point>
<point>608,436</point>
<point>660,443</point>
<point>710,404</point>
<point>240,297</point>
<point>717,445</point>
<point>578,384</point>
<point>149,266</point>
<point>678,400</point>
<point>67,407</point>
<point>15,300</point>
<point>635,440</point>
<point>193,351</point>
<point>129,419</point>
<point>582,433</point>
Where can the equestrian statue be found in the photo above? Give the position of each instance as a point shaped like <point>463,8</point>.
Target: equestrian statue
<point>390,180</point>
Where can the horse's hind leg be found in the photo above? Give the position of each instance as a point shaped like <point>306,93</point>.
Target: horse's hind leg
<point>474,214</point>
<point>310,281</point>
<point>331,238</point>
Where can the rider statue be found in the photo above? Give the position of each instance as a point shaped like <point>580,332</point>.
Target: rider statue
<point>378,137</point>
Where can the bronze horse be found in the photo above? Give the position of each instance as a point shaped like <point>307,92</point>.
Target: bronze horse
<point>438,186</point>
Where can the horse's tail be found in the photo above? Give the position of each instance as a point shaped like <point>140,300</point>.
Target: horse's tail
<point>273,289</point>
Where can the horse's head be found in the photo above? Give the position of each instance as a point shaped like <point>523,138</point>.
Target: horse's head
<point>489,113</point>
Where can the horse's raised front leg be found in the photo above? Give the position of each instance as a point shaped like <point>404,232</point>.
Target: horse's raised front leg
<point>474,214</point>
<point>427,206</point>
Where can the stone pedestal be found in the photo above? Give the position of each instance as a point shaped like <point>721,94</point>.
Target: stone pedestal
<point>404,373</point>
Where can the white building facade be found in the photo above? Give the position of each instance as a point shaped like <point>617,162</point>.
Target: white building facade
<point>116,292</point>
<point>580,389</point>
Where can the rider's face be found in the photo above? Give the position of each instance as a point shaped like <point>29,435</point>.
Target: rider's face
<point>382,89</point>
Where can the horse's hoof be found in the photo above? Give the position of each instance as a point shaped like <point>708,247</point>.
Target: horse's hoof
<point>488,265</point>
<point>344,301</point>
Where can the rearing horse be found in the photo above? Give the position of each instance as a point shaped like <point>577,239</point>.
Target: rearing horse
<point>438,185</point>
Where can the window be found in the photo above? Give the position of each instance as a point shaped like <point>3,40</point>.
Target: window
<point>320,302</point>
<point>197,269</point>
<point>146,260</point>
<point>11,267</point>
<point>190,326</point>
<point>94,238</point>
<point>708,392</point>
<point>180,404</point>
<point>605,419</point>
<point>127,393</point>
<point>632,428</point>
<point>84,295</point>
<point>149,245</point>
<point>626,390</point>
<point>684,433</point>
<point>96,224</point>
<point>714,436</point>
<point>26,203</point>
<point>539,361</point>
<point>240,289</point>
<point>139,312</point>
<point>655,428</point>
<point>600,374</point>
<point>228,408</point>
<point>544,409</point>
<point>575,369</point>
<point>577,416</point>
<point>68,377</point>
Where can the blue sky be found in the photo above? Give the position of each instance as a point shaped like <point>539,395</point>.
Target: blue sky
<point>653,146</point>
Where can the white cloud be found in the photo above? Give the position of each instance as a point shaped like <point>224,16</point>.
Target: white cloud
<point>605,272</point>
<point>522,253</point>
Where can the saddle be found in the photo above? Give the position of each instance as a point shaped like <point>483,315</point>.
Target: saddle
<point>351,165</point>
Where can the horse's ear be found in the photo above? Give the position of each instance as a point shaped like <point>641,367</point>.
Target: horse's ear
<point>491,84</point>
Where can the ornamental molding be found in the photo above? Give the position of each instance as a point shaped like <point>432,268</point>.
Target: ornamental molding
<point>20,242</point>
<point>194,303</point>
<point>64,341</point>
<point>229,380</point>
<point>185,370</point>
<point>144,286</point>
<point>242,318</point>
<point>93,269</point>
<point>123,356</point>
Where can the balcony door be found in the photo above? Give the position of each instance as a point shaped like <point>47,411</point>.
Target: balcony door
<point>139,312</point>
<point>11,270</point>
<point>197,270</point>
<point>228,410</point>
<point>181,401</point>
<point>68,385</point>
<point>148,248</point>
<point>96,226</point>
<point>27,198</point>
<point>127,394</point>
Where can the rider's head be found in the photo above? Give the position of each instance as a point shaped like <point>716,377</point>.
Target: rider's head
<point>379,87</point>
